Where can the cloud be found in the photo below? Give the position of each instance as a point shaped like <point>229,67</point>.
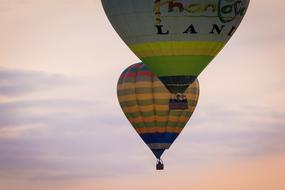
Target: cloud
<point>222,134</point>
<point>58,138</point>
<point>20,82</point>
<point>55,127</point>
<point>18,131</point>
<point>66,143</point>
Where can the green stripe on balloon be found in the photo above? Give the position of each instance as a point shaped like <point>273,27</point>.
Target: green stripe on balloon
<point>177,65</point>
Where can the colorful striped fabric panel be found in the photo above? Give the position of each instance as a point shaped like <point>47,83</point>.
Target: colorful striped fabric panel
<point>144,100</point>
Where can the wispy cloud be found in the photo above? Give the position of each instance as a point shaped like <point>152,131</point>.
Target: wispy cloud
<point>58,137</point>
<point>61,128</point>
<point>223,133</point>
<point>62,138</point>
<point>21,82</point>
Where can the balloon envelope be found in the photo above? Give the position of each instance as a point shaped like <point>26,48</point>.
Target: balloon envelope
<point>175,37</point>
<point>145,102</point>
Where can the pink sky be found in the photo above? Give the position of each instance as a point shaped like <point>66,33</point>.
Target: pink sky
<point>59,64</point>
<point>261,173</point>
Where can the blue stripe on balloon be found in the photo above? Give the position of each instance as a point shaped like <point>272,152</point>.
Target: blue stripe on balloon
<point>149,138</point>
<point>158,152</point>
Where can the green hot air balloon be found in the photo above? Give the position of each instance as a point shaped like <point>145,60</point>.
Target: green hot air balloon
<point>144,100</point>
<point>176,39</point>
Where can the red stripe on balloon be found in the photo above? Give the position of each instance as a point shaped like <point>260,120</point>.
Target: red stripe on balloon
<point>129,74</point>
<point>145,73</point>
<point>134,74</point>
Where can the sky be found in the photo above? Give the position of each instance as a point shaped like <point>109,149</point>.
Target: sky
<point>61,126</point>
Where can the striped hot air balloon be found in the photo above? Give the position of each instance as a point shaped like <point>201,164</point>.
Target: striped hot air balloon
<point>176,39</point>
<point>145,102</point>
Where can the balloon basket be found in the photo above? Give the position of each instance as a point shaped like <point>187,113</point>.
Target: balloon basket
<point>178,103</point>
<point>159,165</point>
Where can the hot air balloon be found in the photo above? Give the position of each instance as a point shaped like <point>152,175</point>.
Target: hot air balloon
<point>176,39</point>
<point>144,100</point>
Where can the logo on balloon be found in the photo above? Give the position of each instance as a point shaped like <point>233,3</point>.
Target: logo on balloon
<point>229,10</point>
<point>225,10</point>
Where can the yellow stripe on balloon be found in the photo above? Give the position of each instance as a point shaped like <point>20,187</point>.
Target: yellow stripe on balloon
<point>152,49</point>
<point>143,97</point>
